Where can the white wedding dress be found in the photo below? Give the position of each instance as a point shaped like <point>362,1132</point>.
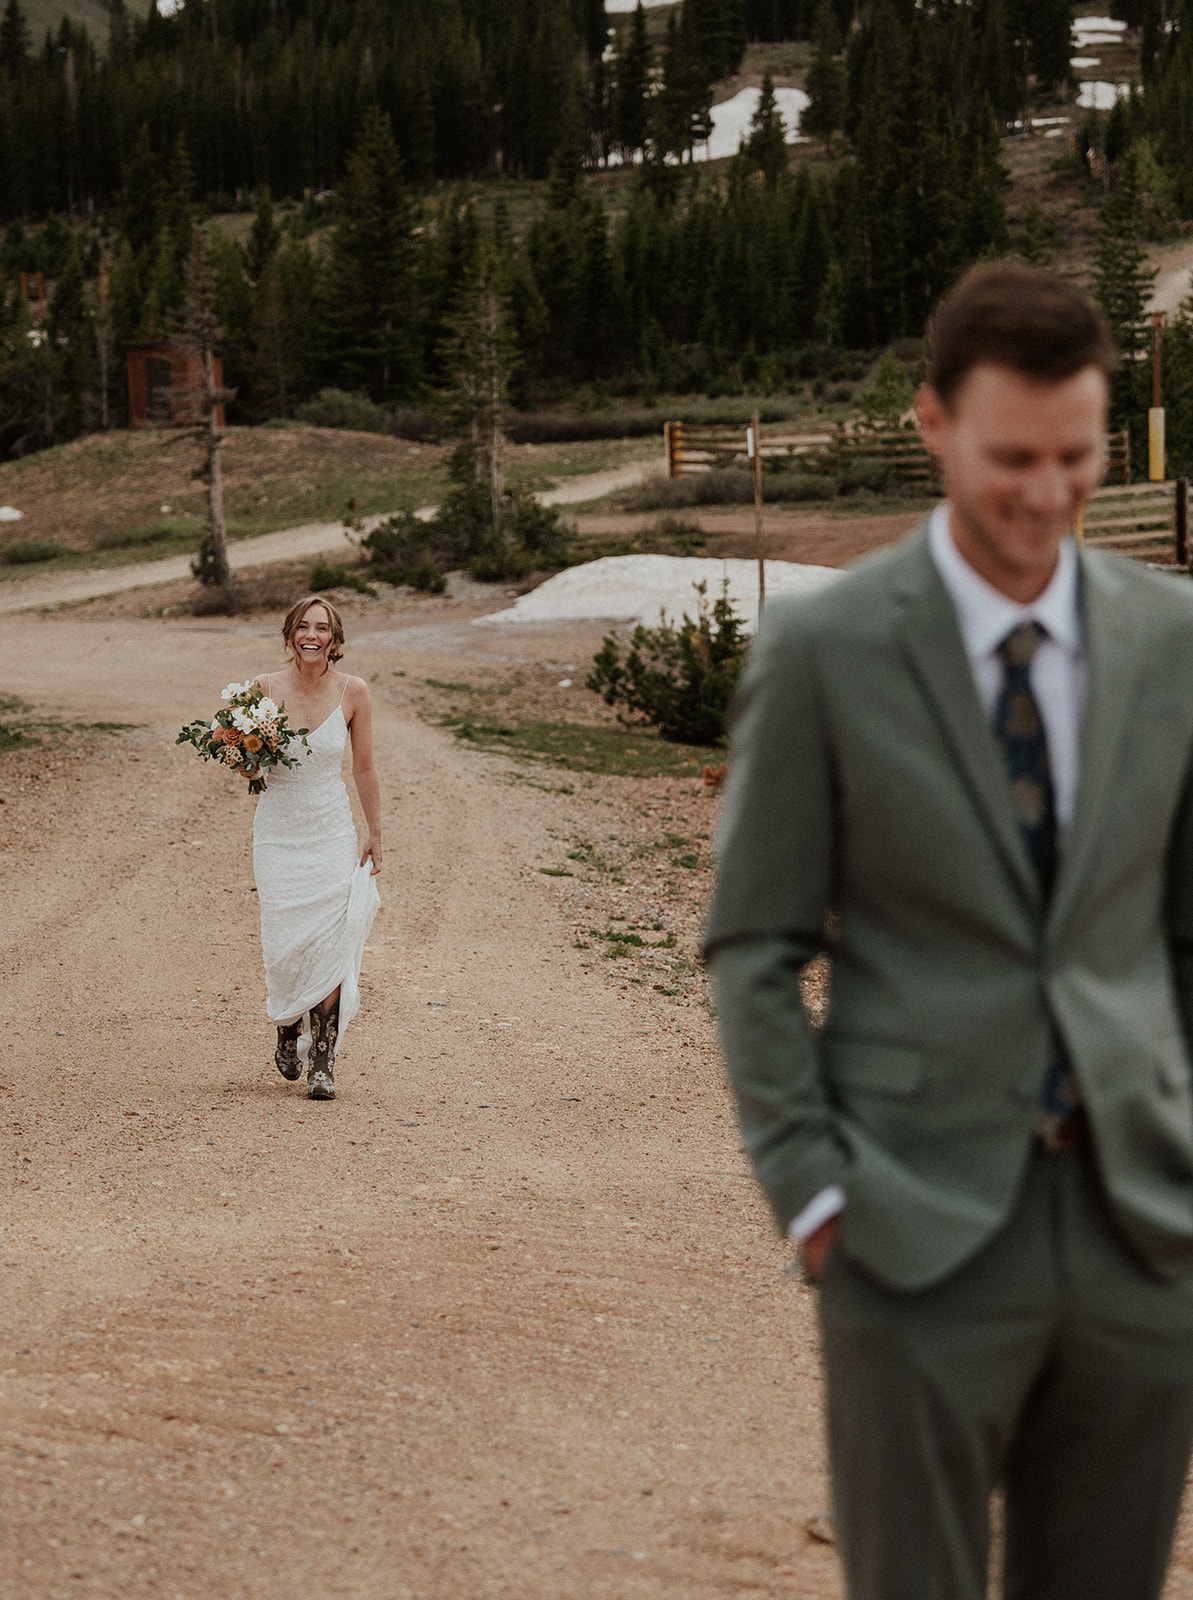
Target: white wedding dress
<point>317,901</point>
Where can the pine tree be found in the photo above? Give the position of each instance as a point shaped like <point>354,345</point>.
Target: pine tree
<point>681,110</point>
<point>631,113</point>
<point>1122,286</point>
<point>370,317</point>
<point>264,238</point>
<point>14,38</point>
<point>765,144</point>
<point>570,155</point>
<point>279,330</point>
<point>825,82</point>
<point>982,222</point>
<point>70,328</point>
<point>719,30</point>
<point>1051,33</point>
<point>117,35</point>
<point>478,355</point>
<point>142,197</point>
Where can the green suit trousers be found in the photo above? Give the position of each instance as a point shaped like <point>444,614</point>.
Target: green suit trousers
<point>1053,1361</point>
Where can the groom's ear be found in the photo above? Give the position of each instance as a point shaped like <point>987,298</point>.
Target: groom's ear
<point>932,418</point>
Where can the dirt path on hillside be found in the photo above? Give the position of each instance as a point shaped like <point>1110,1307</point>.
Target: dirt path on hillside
<point>1172,284</point>
<point>289,544</point>
<point>506,1319</point>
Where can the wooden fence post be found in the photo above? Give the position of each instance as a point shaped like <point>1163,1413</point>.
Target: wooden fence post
<point>1182,522</point>
<point>675,449</point>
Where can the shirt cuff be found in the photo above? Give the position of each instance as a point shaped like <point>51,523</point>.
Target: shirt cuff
<point>821,1208</point>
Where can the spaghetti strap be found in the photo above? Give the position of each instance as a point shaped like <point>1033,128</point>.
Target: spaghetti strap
<point>343,691</point>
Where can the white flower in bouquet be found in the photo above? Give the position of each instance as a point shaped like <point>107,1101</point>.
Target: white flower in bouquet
<point>252,735</point>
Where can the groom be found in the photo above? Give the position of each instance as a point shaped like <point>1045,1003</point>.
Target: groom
<point>966,770</point>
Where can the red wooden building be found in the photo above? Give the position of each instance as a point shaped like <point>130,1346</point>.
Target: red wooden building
<point>165,384</point>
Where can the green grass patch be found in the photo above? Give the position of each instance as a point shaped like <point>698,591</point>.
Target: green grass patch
<point>162,530</point>
<point>21,728</point>
<point>31,552</point>
<point>616,751</point>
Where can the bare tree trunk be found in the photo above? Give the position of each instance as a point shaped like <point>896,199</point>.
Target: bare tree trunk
<point>212,566</point>
<point>497,438</point>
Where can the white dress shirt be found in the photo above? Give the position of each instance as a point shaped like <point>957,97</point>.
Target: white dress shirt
<point>1058,678</point>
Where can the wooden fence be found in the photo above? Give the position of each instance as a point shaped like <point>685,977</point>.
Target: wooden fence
<point>693,447</point>
<point>1148,520</point>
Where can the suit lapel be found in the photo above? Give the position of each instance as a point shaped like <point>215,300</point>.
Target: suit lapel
<point>1112,664</point>
<point>931,638</point>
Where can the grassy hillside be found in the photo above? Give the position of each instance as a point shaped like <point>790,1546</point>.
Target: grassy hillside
<point>93,14</point>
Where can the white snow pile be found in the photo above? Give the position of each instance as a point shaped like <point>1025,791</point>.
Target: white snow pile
<point>614,7</point>
<point>731,121</point>
<point>1097,30</point>
<point>1098,96</point>
<point>10,514</point>
<point>639,588</point>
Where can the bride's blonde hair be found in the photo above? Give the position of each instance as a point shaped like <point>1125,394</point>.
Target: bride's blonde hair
<point>299,610</point>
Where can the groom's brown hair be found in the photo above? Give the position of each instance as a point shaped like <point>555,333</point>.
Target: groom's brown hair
<point>1011,315</point>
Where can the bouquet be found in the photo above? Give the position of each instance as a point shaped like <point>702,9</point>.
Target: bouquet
<point>251,735</point>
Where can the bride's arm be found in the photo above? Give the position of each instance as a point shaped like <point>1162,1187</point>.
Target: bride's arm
<point>364,769</point>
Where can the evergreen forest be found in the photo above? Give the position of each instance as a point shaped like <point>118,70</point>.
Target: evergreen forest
<point>389,151</point>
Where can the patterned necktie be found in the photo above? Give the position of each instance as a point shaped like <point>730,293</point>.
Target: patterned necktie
<point>1020,731</point>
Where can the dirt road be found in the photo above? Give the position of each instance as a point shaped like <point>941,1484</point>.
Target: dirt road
<point>506,1319</point>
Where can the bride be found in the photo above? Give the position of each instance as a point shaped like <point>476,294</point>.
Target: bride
<point>317,894</point>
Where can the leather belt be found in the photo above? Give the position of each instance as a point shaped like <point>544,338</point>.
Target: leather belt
<point>1071,1133</point>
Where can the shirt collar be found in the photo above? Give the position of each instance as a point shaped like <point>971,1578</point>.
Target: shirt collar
<point>985,615</point>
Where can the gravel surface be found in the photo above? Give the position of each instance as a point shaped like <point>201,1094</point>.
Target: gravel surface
<point>507,1318</point>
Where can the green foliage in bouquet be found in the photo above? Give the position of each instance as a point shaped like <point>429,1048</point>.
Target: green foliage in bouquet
<point>251,734</point>
<point>678,679</point>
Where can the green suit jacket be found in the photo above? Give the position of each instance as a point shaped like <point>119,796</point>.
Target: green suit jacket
<point>867,812</point>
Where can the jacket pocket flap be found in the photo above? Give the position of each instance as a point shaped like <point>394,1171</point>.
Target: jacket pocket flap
<point>875,1066</point>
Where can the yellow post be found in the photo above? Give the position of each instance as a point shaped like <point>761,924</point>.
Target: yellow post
<point>754,449</point>
<point>1155,444</point>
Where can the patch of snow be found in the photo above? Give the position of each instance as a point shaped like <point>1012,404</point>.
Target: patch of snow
<point>1099,96</point>
<point>1109,29</point>
<point>10,514</point>
<point>638,588</point>
<point>613,7</point>
<point>167,8</point>
<point>1085,61</point>
<point>1054,133</point>
<point>1049,122</point>
<point>731,121</point>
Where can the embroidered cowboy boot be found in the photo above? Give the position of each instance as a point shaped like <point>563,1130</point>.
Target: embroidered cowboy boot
<point>285,1056</point>
<point>325,1027</point>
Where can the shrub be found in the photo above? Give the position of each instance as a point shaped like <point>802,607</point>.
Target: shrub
<point>686,536</point>
<point>678,679</point>
<point>727,487</point>
<point>25,551</point>
<point>406,550</point>
<point>326,576</point>
<point>872,473</point>
<point>335,408</point>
